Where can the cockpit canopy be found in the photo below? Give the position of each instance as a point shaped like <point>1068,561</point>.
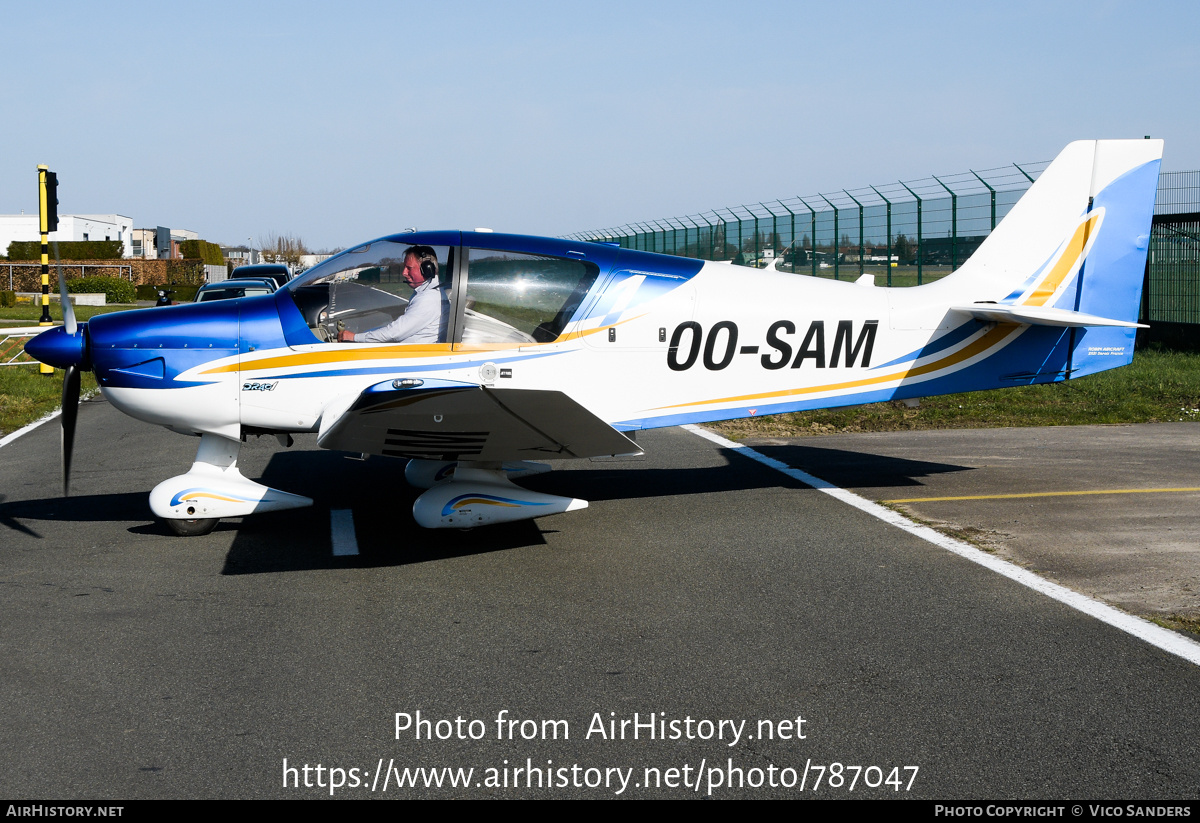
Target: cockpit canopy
<point>489,296</point>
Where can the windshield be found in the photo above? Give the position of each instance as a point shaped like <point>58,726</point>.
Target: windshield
<point>226,293</point>
<point>366,287</point>
<point>362,262</point>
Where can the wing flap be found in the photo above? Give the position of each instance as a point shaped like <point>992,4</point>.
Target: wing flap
<point>472,423</point>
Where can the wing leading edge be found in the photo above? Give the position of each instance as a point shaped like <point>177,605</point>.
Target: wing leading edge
<point>473,423</point>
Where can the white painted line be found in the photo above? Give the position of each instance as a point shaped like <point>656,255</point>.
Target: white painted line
<point>341,532</point>
<point>1155,635</point>
<point>8,438</point>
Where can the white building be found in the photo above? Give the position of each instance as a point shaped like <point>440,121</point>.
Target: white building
<point>24,227</point>
<point>307,261</point>
<point>159,243</point>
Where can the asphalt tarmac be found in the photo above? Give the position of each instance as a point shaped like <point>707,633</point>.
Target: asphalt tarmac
<point>1109,511</point>
<point>760,638</point>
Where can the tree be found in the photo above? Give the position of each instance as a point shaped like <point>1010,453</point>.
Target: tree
<point>282,248</point>
<point>904,249</point>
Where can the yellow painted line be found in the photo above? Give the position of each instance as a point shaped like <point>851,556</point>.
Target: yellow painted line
<point>1040,494</point>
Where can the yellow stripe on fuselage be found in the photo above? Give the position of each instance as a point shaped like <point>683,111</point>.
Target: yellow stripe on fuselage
<point>397,352</point>
<point>335,356</point>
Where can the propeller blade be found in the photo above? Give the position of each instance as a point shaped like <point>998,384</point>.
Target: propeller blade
<point>70,411</point>
<point>67,309</point>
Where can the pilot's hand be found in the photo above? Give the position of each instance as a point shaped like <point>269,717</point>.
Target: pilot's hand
<point>345,336</point>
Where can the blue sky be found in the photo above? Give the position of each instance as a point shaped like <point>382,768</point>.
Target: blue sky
<point>338,122</point>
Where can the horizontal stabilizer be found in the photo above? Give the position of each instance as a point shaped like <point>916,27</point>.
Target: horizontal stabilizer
<point>472,423</point>
<point>1039,316</point>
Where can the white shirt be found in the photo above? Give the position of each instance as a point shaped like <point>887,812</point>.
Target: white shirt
<point>420,323</point>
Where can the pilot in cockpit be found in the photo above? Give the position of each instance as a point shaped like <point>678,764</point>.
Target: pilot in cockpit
<point>422,321</point>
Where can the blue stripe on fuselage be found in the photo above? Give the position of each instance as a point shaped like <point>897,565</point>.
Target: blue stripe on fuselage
<point>950,338</point>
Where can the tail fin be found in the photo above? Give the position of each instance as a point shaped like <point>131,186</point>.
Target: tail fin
<point>1075,246</point>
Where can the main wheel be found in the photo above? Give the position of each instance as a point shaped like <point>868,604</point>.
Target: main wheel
<point>193,528</point>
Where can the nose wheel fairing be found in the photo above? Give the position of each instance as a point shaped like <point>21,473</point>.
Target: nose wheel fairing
<point>214,488</point>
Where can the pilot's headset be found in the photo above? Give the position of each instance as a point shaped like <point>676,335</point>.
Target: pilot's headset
<point>428,258</point>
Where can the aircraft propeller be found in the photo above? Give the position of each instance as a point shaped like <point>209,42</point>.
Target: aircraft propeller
<point>70,392</point>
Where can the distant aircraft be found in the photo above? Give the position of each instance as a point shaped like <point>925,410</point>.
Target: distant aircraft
<point>549,349</point>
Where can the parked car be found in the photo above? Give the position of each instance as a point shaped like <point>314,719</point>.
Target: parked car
<point>237,287</point>
<point>276,271</point>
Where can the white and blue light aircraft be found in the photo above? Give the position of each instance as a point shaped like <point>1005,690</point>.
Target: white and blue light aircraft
<point>552,349</point>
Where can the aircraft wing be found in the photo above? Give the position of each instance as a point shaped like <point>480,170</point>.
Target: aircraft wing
<point>462,421</point>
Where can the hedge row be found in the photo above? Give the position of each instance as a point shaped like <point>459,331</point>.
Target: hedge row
<point>115,289</point>
<point>203,250</point>
<point>67,250</point>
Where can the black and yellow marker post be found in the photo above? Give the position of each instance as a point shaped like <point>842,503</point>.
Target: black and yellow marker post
<point>48,209</point>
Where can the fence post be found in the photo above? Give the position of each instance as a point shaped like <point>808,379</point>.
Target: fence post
<point>791,235</point>
<point>920,244</point>
<point>993,191</point>
<point>712,234</point>
<point>836,240</point>
<point>953,224</point>
<point>774,238</point>
<point>861,247</point>
<point>757,244</point>
<point>813,229</point>
<point>733,214</point>
<point>888,257</point>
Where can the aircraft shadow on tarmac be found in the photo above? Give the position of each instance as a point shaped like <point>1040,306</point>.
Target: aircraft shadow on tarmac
<point>86,509</point>
<point>375,491</point>
<point>849,469</point>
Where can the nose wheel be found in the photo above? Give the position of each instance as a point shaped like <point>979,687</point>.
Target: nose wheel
<point>193,528</point>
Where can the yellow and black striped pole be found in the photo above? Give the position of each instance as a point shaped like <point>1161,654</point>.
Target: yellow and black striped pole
<point>47,189</point>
